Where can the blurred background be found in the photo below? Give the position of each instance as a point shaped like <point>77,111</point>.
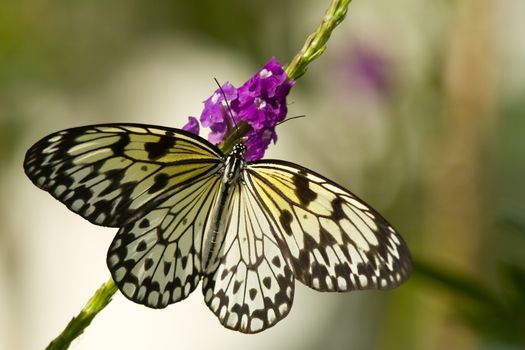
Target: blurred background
<point>418,106</point>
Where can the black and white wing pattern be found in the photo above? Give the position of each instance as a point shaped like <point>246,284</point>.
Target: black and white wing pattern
<point>332,240</point>
<point>156,260</point>
<point>182,218</point>
<point>112,174</point>
<point>250,287</point>
<point>156,184</point>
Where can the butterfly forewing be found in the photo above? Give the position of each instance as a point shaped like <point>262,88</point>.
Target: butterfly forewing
<point>114,174</point>
<point>333,241</point>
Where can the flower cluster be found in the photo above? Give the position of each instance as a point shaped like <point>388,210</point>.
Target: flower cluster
<point>260,102</point>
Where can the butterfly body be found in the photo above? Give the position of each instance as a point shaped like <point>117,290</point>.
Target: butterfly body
<point>230,175</point>
<point>187,212</point>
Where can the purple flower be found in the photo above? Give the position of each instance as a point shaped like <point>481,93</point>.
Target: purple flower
<point>192,125</point>
<point>216,115</point>
<point>260,102</point>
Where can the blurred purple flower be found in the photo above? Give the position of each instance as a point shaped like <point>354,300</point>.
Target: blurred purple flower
<point>260,102</point>
<point>370,68</point>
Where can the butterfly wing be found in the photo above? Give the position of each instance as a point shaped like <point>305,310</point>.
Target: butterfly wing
<point>333,241</point>
<point>249,286</point>
<point>157,184</point>
<point>113,174</point>
<point>156,260</point>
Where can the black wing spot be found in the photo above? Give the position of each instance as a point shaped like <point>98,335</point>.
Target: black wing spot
<point>167,266</point>
<point>102,206</point>
<point>236,286</point>
<point>119,147</point>
<point>161,181</point>
<point>276,261</point>
<point>141,246</point>
<point>83,193</point>
<point>303,190</point>
<point>144,223</point>
<point>286,219</point>
<point>267,281</point>
<point>337,209</point>
<point>148,264</point>
<point>159,149</point>
<point>184,261</point>
<point>326,239</point>
<point>253,293</point>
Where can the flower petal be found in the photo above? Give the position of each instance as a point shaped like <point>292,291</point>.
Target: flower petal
<point>192,125</point>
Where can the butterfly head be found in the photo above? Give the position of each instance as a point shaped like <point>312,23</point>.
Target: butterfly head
<point>234,163</point>
<point>239,149</point>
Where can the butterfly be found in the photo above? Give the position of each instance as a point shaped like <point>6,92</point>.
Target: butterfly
<point>187,212</point>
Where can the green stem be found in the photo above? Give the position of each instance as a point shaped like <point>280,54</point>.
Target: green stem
<point>76,326</point>
<point>315,44</point>
<point>458,284</point>
<point>233,138</point>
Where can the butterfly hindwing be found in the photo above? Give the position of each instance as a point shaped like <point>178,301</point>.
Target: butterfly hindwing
<point>156,260</point>
<point>333,240</point>
<point>115,173</point>
<point>250,287</point>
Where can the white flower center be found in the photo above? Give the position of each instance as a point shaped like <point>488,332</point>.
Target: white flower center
<point>215,97</point>
<point>265,73</point>
<point>260,103</point>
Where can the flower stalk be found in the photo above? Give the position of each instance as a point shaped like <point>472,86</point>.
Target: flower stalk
<point>227,144</point>
<point>314,46</point>
<point>77,325</point>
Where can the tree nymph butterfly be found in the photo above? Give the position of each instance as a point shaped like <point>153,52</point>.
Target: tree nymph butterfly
<point>187,212</point>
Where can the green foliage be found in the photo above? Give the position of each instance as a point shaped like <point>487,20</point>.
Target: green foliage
<point>498,318</point>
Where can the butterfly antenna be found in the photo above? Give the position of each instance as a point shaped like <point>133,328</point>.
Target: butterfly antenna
<point>230,113</point>
<point>291,118</point>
